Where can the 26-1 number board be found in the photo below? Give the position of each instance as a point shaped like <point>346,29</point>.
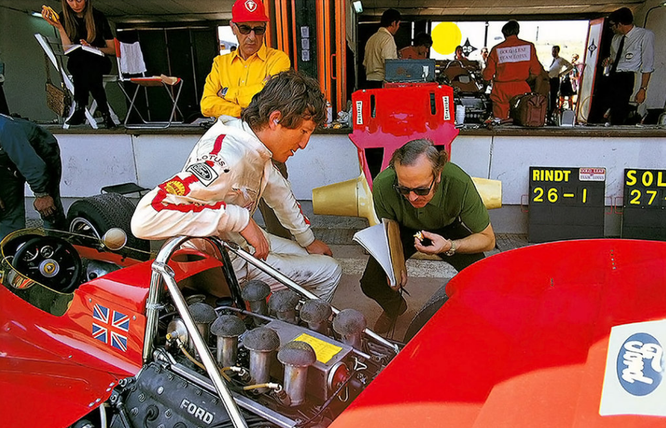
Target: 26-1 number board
<point>566,203</point>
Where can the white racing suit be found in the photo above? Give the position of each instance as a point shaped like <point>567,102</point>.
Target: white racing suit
<point>217,192</point>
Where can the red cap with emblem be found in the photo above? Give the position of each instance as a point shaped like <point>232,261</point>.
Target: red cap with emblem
<point>248,11</point>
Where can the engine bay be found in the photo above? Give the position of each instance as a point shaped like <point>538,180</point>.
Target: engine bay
<point>281,369</point>
<point>187,344</point>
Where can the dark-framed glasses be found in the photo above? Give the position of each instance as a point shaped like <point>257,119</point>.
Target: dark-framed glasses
<point>418,191</point>
<point>246,29</point>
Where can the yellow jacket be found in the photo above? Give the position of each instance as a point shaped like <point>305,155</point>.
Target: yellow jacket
<point>243,78</point>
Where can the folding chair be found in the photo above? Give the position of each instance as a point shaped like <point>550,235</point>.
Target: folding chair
<point>131,63</point>
<point>53,50</point>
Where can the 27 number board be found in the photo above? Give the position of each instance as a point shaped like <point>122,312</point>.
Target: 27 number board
<point>566,203</point>
<point>644,204</point>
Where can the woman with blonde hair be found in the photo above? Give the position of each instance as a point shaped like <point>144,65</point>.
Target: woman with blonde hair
<point>80,23</point>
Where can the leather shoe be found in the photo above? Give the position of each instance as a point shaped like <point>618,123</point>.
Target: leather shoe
<point>386,322</point>
<point>107,121</point>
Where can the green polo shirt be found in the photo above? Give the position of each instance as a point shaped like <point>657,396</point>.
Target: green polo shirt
<point>455,197</point>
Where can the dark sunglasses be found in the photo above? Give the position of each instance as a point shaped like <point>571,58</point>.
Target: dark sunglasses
<point>246,29</point>
<point>418,191</point>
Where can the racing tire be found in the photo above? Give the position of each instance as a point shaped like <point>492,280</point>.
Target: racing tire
<point>426,312</point>
<point>95,215</point>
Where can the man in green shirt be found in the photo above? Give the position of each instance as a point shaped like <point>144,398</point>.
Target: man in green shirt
<point>425,193</point>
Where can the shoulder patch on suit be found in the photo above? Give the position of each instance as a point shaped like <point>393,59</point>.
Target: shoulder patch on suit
<point>175,186</point>
<point>205,173</point>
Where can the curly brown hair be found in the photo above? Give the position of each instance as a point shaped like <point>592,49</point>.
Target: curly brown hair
<point>296,96</point>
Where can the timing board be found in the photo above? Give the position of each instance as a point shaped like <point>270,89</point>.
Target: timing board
<point>566,203</point>
<point>644,206</point>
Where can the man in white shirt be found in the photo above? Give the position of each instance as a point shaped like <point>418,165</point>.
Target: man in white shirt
<point>632,52</point>
<point>559,67</point>
<point>380,47</point>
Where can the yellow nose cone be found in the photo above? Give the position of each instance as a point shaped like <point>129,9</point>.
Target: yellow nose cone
<point>351,198</point>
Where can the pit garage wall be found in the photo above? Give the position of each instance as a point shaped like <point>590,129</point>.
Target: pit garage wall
<point>508,159</point>
<point>92,162</point>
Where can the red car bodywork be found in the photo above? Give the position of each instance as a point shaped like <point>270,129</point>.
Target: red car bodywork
<point>424,112</point>
<point>53,369</point>
<point>522,341</point>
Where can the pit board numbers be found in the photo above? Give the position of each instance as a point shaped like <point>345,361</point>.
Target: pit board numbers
<point>644,206</point>
<point>566,203</point>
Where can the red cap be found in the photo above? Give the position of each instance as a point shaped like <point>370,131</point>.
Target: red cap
<point>248,11</point>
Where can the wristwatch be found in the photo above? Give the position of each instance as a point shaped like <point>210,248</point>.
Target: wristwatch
<point>40,195</point>
<point>644,88</point>
<point>452,250</point>
<point>223,92</point>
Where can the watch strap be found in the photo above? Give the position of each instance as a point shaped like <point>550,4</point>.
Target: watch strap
<point>451,250</point>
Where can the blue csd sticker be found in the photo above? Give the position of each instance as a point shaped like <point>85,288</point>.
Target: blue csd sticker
<point>640,364</point>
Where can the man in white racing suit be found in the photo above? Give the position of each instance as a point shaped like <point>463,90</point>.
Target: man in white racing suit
<point>230,170</point>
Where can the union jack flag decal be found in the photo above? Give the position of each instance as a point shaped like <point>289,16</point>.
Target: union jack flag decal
<point>110,327</point>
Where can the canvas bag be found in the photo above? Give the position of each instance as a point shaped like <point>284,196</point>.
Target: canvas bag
<point>57,98</point>
<point>529,110</point>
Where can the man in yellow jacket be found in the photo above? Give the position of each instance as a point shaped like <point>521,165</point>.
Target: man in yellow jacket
<point>237,76</point>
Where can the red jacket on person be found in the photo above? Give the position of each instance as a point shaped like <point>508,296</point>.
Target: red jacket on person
<point>509,66</point>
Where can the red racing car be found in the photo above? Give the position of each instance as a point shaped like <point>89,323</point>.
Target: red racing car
<point>563,334</point>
